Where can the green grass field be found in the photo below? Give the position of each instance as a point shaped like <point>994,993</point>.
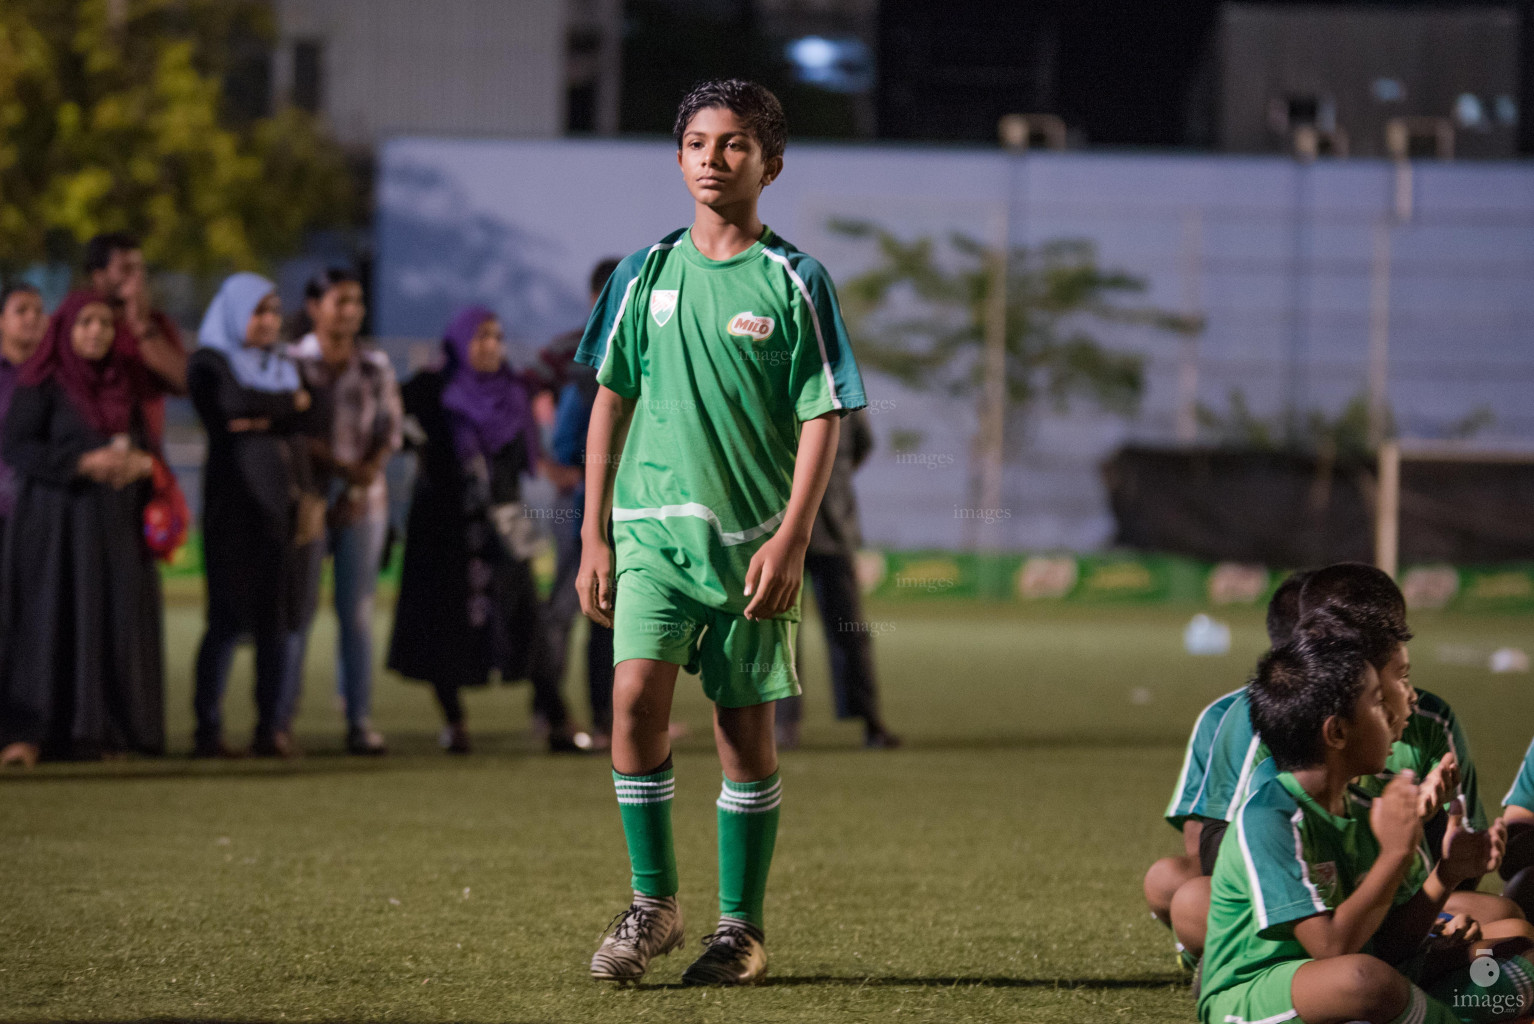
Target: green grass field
<point>990,870</point>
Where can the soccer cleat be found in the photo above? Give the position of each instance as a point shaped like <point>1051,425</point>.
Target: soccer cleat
<point>734,955</point>
<point>650,927</point>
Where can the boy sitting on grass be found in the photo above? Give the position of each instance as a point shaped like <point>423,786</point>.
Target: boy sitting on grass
<point>1317,889</point>
<point>1518,864</point>
<point>1429,741</point>
<point>1169,874</point>
<point>724,371</point>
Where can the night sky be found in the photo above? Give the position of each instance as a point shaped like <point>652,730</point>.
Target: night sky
<point>1121,73</point>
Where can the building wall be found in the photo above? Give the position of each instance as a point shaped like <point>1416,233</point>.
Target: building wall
<point>1338,54</point>
<point>462,67</point>
<point>1280,257</point>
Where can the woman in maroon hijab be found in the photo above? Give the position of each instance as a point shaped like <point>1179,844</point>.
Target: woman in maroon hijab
<point>79,594</point>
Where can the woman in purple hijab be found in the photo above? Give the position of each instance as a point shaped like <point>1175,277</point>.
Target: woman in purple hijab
<point>467,599</point>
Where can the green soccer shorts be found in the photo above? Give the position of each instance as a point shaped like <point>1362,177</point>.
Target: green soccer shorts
<point>1268,998</point>
<point>743,662</point>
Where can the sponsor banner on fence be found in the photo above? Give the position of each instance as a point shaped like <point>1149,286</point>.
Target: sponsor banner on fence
<point>1156,579</point>
<point>1092,579</point>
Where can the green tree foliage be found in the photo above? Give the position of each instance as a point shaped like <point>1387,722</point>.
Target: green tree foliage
<point>112,117</point>
<point>920,315</point>
<point>1344,436</point>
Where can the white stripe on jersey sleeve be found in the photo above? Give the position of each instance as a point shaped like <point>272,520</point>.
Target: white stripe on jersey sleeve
<point>820,338</point>
<point>1175,807</point>
<point>1299,855</point>
<point>623,305</point>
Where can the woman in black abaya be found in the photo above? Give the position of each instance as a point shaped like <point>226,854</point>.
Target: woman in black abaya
<point>79,592</point>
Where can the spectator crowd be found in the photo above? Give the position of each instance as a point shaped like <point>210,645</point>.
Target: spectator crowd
<point>302,415</point>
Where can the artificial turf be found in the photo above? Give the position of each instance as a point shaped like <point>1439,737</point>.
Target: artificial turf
<point>989,870</point>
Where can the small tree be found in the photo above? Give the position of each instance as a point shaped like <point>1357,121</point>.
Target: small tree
<point>923,319</point>
<point>112,118</point>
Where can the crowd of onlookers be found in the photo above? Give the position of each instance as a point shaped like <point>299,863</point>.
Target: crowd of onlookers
<point>299,431</point>
<point>302,415</point>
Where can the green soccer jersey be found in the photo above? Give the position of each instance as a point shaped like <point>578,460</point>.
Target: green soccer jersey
<point>1522,793</point>
<point>1285,858</point>
<point>1195,760</point>
<point>724,360</point>
<point>1431,732</point>
<point>1233,753</point>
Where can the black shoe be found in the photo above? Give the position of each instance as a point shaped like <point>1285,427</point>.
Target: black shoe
<point>562,741</point>
<point>273,744</point>
<point>877,737</point>
<point>734,956</point>
<point>455,739</point>
<point>366,741</point>
<point>215,748</point>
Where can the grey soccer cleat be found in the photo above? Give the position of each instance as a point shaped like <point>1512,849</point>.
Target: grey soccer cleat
<point>650,927</point>
<point>734,955</point>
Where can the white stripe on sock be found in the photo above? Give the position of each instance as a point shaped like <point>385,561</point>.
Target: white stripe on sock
<point>1521,982</point>
<point>725,805</point>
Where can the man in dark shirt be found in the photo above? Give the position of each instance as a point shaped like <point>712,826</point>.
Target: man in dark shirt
<point>829,563</point>
<point>114,267</point>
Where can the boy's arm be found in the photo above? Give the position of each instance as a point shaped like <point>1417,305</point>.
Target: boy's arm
<point>777,569</point>
<point>1348,928</point>
<point>610,417</point>
<point>1466,854</point>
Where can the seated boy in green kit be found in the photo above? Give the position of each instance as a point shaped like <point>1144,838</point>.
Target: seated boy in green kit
<point>724,370</point>
<point>1429,741</point>
<point>1169,874</point>
<point>1518,865</point>
<point>1316,886</point>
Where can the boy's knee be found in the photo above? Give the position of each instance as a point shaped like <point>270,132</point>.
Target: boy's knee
<point>1520,889</point>
<point>1164,878</point>
<point>1190,913</point>
<point>1505,909</point>
<point>1380,988</point>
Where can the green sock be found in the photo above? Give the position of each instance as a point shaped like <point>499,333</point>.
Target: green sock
<point>1422,1008</point>
<point>644,801</point>
<point>1488,990</point>
<point>748,830</point>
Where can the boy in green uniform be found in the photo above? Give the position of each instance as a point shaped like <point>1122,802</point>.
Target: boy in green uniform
<point>1319,887</point>
<point>1169,874</point>
<point>1518,866</point>
<point>724,370</point>
<point>1429,741</point>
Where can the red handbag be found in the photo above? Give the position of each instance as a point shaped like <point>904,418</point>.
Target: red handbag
<point>167,519</point>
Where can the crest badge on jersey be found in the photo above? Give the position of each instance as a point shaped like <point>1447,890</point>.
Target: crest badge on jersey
<point>662,305</point>
<point>1324,877</point>
<point>749,325</point>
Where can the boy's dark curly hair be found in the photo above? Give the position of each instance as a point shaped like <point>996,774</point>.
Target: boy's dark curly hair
<point>755,105</point>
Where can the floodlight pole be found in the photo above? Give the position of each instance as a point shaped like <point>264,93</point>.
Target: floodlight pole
<point>994,414</point>
<point>1387,508</point>
<point>1379,334</point>
<point>1192,300</point>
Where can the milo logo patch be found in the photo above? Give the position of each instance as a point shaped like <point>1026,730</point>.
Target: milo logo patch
<point>749,325</point>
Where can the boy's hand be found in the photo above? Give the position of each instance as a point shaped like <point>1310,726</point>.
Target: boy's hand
<point>1434,792</point>
<point>1393,817</point>
<point>1466,854</point>
<point>1498,833</point>
<point>1458,930</point>
<point>774,577</point>
<point>594,582</point>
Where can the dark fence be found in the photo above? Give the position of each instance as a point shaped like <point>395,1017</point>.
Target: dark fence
<point>1282,509</point>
